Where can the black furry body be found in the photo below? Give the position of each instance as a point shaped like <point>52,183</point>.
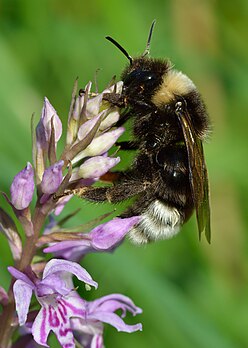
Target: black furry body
<point>159,176</point>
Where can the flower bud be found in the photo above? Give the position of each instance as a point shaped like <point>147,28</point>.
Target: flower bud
<point>52,178</point>
<point>97,166</point>
<point>102,143</point>
<point>93,106</point>
<point>111,119</point>
<point>86,127</point>
<point>22,188</point>
<point>44,128</point>
<point>110,234</point>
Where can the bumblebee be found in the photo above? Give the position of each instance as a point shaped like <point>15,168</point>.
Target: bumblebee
<point>168,177</point>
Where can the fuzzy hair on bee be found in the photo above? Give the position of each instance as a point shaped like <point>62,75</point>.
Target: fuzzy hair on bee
<point>168,177</point>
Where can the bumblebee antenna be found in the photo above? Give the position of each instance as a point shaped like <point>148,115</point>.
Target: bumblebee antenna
<point>120,48</point>
<point>148,44</point>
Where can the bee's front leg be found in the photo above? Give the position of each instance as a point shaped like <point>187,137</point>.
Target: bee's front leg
<point>112,194</point>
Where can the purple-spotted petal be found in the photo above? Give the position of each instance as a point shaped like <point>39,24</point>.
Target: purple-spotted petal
<point>22,188</point>
<point>97,166</point>
<point>56,265</point>
<point>107,235</point>
<point>55,316</point>
<point>22,293</point>
<point>50,319</point>
<point>52,178</point>
<point>97,341</point>
<point>41,327</point>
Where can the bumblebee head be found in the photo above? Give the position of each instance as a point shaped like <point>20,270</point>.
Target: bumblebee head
<point>143,75</point>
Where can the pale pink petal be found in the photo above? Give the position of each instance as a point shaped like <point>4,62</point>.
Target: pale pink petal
<point>22,293</point>
<point>114,320</point>
<point>111,302</point>
<point>20,275</point>
<point>56,265</point>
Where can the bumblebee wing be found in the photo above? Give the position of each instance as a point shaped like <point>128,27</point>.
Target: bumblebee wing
<point>197,171</point>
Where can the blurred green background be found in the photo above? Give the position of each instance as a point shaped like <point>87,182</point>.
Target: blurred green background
<point>192,294</point>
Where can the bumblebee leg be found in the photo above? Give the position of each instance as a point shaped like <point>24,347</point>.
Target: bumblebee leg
<point>112,194</point>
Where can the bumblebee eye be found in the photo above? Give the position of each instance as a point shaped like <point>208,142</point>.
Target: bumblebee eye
<point>140,77</point>
<point>152,143</point>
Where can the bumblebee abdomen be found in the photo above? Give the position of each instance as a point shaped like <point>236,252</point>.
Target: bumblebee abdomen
<point>158,221</point>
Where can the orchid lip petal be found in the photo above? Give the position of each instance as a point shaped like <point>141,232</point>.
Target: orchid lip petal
<point>57,319</point>
<point>40,329</point>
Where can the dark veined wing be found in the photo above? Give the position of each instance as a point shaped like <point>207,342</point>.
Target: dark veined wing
<point>197,171</point>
